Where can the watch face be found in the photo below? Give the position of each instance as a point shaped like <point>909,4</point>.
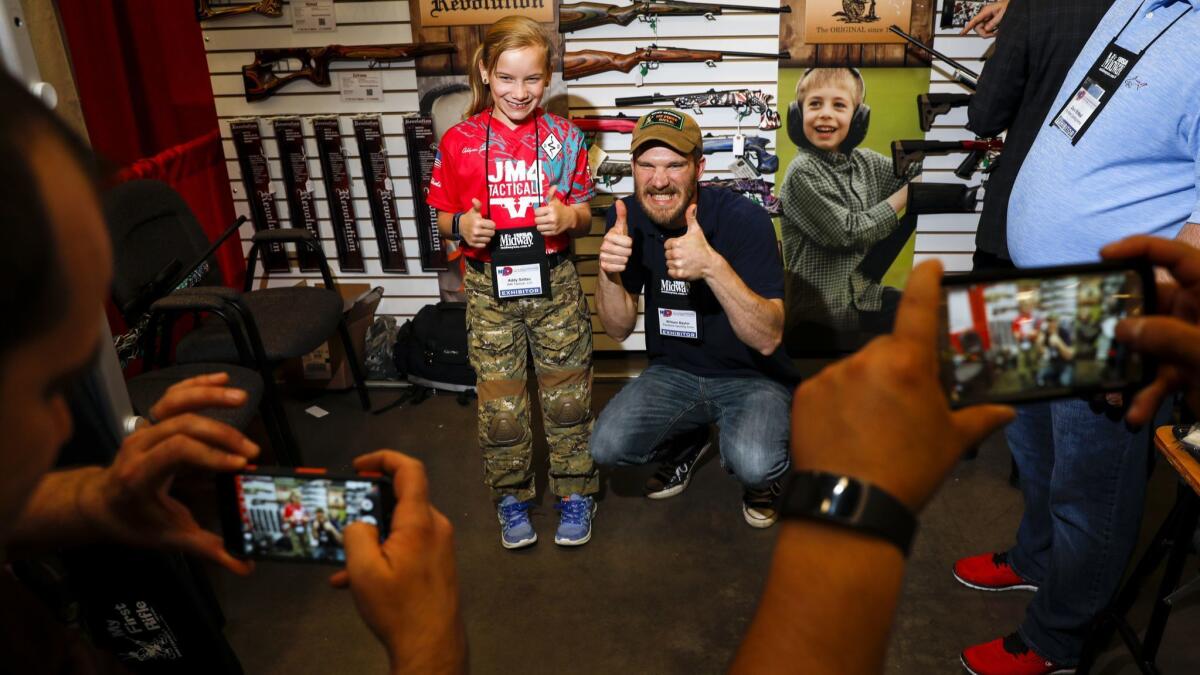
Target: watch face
<point>842,497</point>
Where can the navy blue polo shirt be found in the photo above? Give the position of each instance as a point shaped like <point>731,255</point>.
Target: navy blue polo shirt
<point>741,231</point>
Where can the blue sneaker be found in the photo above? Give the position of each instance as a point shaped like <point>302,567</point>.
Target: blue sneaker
<point>515,529</point>
<point>575,523</point>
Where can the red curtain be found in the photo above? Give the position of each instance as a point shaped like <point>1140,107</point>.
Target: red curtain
<point>148,104</point>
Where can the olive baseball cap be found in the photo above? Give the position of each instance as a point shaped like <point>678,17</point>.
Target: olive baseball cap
<point>670,127</point>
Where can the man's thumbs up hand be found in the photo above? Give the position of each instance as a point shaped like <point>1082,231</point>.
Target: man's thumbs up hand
<point>617,245</point>
<point>689,257</point>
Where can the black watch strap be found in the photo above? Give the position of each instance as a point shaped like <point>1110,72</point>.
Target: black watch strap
<point>455,232</point>
<point>850,503</point>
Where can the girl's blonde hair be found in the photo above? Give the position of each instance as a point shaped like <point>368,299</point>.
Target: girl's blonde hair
<point>511,32</point>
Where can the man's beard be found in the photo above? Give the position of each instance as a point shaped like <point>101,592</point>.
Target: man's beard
<point>655,212</point>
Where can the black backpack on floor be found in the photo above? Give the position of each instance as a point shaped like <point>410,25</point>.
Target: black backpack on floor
<point>431,348</point>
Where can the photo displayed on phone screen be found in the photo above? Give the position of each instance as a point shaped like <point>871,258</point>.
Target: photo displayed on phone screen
<point>1038,337</point>
<point>299,518</point>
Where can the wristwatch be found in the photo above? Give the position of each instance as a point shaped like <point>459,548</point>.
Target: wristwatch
<point>848,502</point>
<point>455,233</point>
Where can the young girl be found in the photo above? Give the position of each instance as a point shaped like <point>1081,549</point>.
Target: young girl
<point>512,183</point>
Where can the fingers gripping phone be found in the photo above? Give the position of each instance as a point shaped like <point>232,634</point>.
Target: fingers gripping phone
<point>298,515</point>
<point>1023,335</point>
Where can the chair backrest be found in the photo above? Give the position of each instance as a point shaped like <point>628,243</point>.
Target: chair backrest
<point>153,231</point>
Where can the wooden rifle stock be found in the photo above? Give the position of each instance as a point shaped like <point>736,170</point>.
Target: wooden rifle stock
<point>261,80</point>
<point>593,62</point>
<point>271,8</point>
<point>584,15</point>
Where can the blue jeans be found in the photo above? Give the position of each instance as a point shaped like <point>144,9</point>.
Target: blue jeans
<point>1083,477</point>
<point>663,403</point>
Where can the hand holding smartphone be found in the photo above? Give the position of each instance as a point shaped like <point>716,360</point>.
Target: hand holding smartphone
<point>299,515</point>
<point>1031,334</point>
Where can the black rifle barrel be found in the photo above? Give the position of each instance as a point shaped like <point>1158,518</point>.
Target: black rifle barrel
<point>643,100</point>
<point>935,53</point>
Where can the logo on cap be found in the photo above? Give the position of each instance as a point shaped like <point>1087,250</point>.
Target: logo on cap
<point>666,118</point>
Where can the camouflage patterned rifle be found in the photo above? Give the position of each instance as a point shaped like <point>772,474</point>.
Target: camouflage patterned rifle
<point>583,15</point>
<point>262,81</point>
<point>206,10</point>
<point>614,169</point>
<point>593,62</point>
<point>756,190</point>
<point>743,101</point>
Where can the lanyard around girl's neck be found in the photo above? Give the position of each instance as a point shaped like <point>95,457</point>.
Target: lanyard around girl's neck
<point>487,145</point>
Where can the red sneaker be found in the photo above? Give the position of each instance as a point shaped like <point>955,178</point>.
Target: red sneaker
<point>990,572</point>
<point>1009,656</point>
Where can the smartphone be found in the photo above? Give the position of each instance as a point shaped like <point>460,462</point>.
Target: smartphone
<point>1015,336</point>
<point>298,515</point>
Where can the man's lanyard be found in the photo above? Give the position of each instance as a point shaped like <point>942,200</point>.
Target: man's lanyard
<point>520,268</point>
<point>1101,81</point>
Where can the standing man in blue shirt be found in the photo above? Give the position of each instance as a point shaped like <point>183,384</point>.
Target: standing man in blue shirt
<point>708,263</point>
<point>1118,154</point>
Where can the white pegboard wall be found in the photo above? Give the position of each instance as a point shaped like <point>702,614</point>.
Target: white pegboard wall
<point>595,95</point>
<point>950,237</point>
<point>230,43</point>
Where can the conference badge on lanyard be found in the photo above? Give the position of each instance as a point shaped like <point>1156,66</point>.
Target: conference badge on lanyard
<point>677,315</point>
<point>1095,91</point>
<point>519,265</point>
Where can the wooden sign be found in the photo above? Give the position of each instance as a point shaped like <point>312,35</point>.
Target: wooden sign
<point>481,12</point>
<point>836,33</point>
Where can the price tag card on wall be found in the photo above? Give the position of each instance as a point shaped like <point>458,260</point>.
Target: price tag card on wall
<point>362,87</point>
<point>313,16</point>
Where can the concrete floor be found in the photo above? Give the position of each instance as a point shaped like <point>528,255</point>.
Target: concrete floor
<point>663,587</point>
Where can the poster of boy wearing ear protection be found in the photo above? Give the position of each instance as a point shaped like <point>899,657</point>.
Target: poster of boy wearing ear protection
<point>841,204</point>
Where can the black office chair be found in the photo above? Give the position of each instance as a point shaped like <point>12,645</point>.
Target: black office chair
<point>157,241</point>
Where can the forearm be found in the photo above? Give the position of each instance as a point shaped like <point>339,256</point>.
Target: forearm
<point>445,223</point>
<point>583,220</point>
<point>898,200</point>
<point>52,516</point>
<point>616,306</point>
<point>757,321</point>
<point>827,606</point>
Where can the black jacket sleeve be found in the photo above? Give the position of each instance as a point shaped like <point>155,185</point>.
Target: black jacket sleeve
<point>1002,82</point>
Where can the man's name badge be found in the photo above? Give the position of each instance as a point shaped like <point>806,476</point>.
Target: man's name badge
<point>680,323</point>
<point>1080,108</point>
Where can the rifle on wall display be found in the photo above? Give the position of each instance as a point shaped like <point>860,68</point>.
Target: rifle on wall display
<point>289,134</point>
<point>419,137</point>
<point>593,62</point>
<point>368,131</point>
<point>256,179</point>
<point>931,106</point>
<point>205,9</point>
<point>262,80</point>
<point>907,153</point>
<point>584,15</point>
<point>337,190</point>
<point>743,101</point>
<point>962,74</point>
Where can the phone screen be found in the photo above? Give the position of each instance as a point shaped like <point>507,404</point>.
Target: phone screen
<point>1045,335</point>
<point>300,517</point>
